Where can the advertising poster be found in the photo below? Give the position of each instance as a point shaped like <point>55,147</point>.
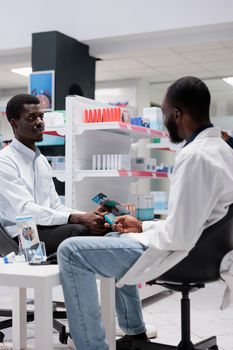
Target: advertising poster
<point>41,85</point>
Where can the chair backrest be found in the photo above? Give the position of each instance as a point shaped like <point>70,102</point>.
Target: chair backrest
<point>203,262</point>
<point>7,243</point>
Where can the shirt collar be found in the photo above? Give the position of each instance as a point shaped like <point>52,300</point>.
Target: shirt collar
<point>198,131</point>
<point>24,149</point>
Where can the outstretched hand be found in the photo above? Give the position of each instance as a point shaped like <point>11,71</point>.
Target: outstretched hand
<point>94,221</point>
<point>126,224</point>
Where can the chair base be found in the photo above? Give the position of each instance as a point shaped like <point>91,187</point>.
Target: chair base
<point>60,327</point>
<point>207,344</point>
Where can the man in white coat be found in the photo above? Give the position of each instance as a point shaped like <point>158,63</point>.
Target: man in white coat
<point>200,194</point>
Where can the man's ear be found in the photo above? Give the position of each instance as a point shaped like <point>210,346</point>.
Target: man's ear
<point>13,123</point>
<point>177,114</point>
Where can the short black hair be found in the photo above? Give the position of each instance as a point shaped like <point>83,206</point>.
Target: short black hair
<point>75,89</point>
<point>190,94</point>
<point>14,107</point>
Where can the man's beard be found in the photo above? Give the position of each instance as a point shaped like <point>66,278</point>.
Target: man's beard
<point>173,131</point>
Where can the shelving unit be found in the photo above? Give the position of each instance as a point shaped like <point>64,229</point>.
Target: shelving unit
<point>82,141</point>
<point>81,174</point>
<point>120,128</point>
<point>85,139</point>
<point>55,130</point>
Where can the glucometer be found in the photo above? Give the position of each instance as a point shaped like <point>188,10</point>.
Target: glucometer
<point>110,218</point>
<point>113,208</point>
<point>110,205</point>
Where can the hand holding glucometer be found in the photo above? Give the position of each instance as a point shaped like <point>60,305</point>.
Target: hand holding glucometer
<point>112,207</point>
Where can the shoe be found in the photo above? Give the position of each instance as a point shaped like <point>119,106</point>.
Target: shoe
<point>124,344</point>
<point>151,332</point>
<point>70,344</point>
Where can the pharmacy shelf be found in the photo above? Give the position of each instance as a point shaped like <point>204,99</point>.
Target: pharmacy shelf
<point>55,130</point>
<point>59,174</point>
<point>81,174</point>
<point>120,128</point>
<point>85,139</point>
<point>160,146</point>
<point>160,211</point>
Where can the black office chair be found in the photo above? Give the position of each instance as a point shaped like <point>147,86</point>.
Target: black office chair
<point>199,267</point>
<point>7,245</point>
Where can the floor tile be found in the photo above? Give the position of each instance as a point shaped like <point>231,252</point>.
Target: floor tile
<point>163,313</point>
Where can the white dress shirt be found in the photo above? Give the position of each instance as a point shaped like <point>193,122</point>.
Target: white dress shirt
<point>200,195</point>
<point>27,188</point>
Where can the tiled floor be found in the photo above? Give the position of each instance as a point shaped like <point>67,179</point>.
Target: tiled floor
<point>164,314</point>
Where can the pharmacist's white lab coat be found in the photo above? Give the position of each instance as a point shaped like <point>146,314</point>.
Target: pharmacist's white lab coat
<point>200,195</point>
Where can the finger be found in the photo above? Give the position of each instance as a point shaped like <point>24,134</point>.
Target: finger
<point>119,219</point>
<point>119,227</point>
<point>114,227</point>
<point>107,225</point>
<point>99,218</point>
<point>101,214</point>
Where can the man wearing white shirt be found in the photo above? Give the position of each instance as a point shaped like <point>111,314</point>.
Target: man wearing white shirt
<point>200,195</point>
<point>26,181</point>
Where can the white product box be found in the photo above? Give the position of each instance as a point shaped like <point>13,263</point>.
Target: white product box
<point>154,114</point>
<point>108,157</point>
<point>139,163</point>
<point>94,162</point>
<point>115,161</point>
<point>124,162</point>
<point>104,162</point>
<point>99,162</point>
<point>112,157</point>
<point>150,164</point>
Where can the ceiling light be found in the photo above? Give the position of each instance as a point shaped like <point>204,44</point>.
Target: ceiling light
<point>22,71</point>
<point>228,80</point>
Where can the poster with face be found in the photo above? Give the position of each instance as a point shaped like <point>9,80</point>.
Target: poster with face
<point>29,241</point>
<point>41,85</point>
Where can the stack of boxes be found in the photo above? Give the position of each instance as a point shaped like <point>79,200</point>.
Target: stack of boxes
<point>111,162</point>
<point>122,162</point>
<point>103,115</point>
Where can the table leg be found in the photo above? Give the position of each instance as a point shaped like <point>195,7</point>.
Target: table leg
<point>107,293</point>
<point>19,317</point>
<point>43,318</point>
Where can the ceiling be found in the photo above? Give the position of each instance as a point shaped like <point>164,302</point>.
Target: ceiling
<point>168,63</point>
<point>158,65</point>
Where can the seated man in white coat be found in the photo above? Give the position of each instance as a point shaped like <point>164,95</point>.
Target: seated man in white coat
<point>200,195</point>
<point>26,182</point>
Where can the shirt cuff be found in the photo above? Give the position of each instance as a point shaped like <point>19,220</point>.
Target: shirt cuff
<point>147,225</point>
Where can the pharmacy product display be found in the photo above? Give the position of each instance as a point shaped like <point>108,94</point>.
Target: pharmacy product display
<point>99,157</point>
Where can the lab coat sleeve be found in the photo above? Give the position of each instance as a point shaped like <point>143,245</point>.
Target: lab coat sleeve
<point>195,188</point>
<point>21,200</point>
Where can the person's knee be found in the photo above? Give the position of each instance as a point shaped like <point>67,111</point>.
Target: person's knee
<point>113,234</point>
<point>64,250</point>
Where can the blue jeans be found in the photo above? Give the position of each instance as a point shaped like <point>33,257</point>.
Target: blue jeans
<point>80,259</point>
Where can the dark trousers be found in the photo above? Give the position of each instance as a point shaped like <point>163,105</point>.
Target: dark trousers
<point>52,236</point>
